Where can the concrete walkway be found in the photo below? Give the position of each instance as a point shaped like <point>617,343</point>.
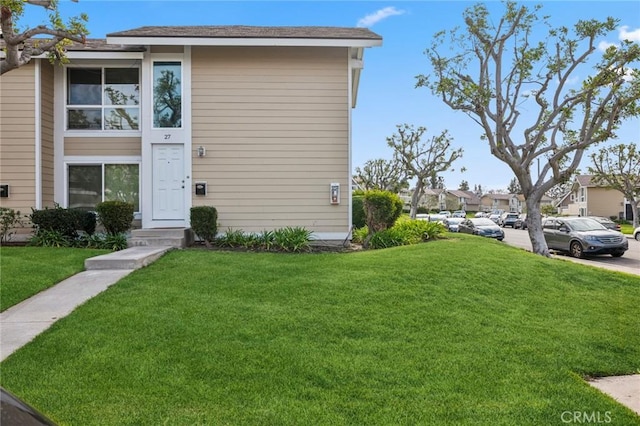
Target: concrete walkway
<point>23,322</point>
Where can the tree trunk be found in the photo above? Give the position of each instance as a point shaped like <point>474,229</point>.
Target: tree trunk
<point>415,198</point>
<point>634,211</point>
<point>534,226</point>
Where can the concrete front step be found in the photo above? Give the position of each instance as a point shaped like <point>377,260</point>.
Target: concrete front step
<point>129,259</point>
<point>161,237</point>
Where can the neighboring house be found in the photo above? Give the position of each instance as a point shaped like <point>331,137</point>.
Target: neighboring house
<point>589,199</point>
<point>255,121</point>
<point>490,202</point>
<point>466,200</point>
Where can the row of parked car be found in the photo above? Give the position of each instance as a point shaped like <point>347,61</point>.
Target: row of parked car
<point>578,236</point>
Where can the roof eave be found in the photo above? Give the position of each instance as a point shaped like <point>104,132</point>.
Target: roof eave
<point>224,41</point>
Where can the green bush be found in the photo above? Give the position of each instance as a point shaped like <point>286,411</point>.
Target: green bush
<point>358,216</point>
<point>85,221</point>
<point>47,238</point>
<point>382,209</point>
<point>358,235</point>
<point>57,219</point>
<point>113,242</point>
<point>204,222</point>
<point>288,239</point>
<point>234,238</point>
<point>9,220</point>
<point>115,216</point>
<point>406,232</point>
<point>294,239</point>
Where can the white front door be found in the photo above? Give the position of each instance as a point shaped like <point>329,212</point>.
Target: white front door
<point>168,182</point>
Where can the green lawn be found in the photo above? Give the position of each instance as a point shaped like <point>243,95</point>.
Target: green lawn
<point>25,271</point>
<point>463,331</point>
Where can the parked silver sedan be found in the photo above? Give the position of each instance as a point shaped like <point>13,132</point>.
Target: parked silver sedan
<point>581,236</point>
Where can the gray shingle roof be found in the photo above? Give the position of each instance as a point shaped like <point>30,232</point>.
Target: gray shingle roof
<point>243,31</point>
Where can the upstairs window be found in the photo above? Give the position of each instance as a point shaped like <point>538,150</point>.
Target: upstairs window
<point>103,98</point>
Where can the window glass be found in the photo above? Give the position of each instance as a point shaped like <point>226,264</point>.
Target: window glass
<point>112,93</point>
<point>85,186</point>
<point>121,86</point>
<point>85,118</point>
<point>167,94</point>
<point>84,86</point>
<point>121,119</point>
<point>122,183</point>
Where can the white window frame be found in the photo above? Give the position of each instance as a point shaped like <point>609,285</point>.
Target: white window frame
<point>101,132</point>
<point>102,161</point>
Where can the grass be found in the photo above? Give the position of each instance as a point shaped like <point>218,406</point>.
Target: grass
<point>627,228</point>
<point>25,271</point>
<point>452,332</point>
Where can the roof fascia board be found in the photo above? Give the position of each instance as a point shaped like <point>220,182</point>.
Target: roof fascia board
<point>104,55</point>
<point>205,41</point>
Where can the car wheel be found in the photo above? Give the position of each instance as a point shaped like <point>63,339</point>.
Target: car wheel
<point>576,249</point>
<point>617,254</point>
<point>637,236</point>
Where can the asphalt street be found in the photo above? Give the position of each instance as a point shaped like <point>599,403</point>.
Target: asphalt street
<point>629,263</point>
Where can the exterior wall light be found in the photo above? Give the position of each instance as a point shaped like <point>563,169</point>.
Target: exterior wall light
<point>201,151</point>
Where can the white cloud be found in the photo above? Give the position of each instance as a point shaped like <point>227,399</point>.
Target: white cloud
<point>625,34</point>
<point>604,45</point>
<point>379,15</point>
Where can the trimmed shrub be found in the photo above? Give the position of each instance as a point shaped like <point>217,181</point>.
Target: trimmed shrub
<point>204,222</point>
<point>382,209</point>
<point>358,216</point>
<point>85,221</point>
<point>115,216</point>
<point>57,219</point>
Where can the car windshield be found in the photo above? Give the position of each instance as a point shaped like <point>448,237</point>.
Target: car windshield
<point>482,222</point>
<point>585,224</point>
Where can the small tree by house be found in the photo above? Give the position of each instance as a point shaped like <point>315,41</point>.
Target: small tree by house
<point>618,167</point>
<point>21,46</point>
<point>422,160</point>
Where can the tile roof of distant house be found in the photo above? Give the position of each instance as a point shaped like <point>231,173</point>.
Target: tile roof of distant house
<point>243,31</point>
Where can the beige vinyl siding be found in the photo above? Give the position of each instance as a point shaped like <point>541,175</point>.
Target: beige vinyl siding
<point>275,124</point>
<point>47,164</point>
<point>604,202</point>
<point>17,137</point>
<point>102,146</point>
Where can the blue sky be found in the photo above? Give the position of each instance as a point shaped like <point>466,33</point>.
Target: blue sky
<point>387,95</point>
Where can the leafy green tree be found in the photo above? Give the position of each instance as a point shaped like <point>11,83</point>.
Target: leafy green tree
<point>618,167</point>
<point>518,86</point>
<point>464,186</point>
<point>422,160</point>
<point>385,175</point>
<point>21,46</point>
